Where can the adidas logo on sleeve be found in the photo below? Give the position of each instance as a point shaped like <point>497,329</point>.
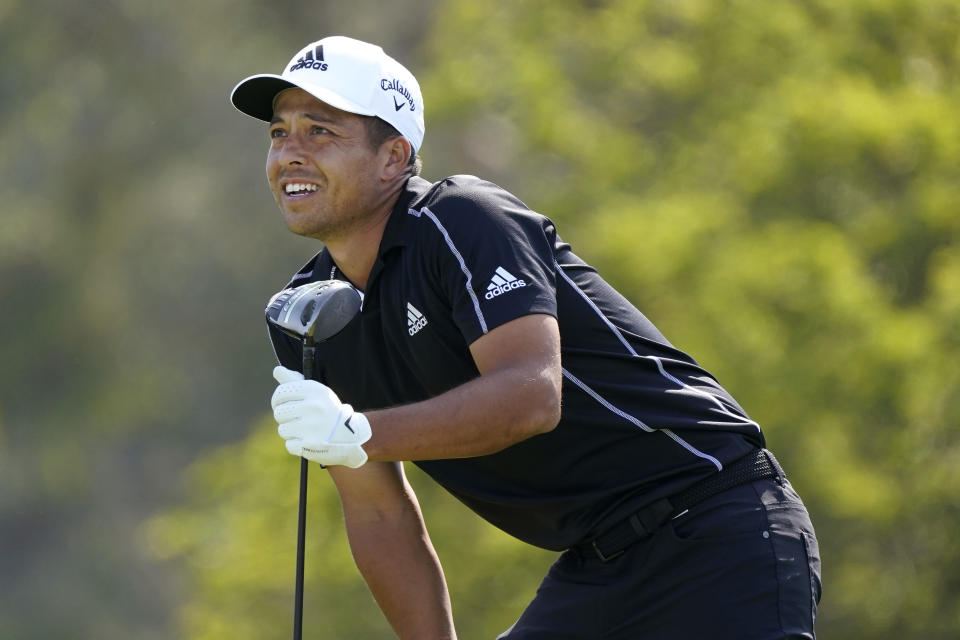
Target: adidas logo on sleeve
<point>502,282</point>
<point>415,320</point>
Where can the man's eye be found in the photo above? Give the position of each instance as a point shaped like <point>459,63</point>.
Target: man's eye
<point>277,133</point>
<point>319,130</point>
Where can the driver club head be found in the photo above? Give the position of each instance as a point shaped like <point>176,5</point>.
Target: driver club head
<point>316,311</point>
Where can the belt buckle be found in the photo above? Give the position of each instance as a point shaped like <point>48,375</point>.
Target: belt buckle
<point>602,557</point>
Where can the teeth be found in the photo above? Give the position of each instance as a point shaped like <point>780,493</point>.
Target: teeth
<point>298,186</point>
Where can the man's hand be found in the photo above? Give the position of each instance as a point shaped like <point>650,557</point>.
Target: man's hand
<point>315,424</point>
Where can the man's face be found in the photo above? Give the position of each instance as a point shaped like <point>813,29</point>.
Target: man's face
<point>321,168</point>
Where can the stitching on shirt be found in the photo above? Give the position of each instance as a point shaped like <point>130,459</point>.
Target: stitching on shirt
<point>663,371</point>
<point>669,433</point>
<point>463,265</point>
<point>636,421</point>
<point>606,403</point>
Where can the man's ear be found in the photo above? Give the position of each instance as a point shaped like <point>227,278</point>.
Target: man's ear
<point>397,156</point>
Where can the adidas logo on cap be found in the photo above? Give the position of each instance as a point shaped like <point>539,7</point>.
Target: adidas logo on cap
<point>415,320</point>
<point>502,282</point>
<point>311,59</point>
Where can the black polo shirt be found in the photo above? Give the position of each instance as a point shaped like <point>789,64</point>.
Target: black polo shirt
<point>640,419</point>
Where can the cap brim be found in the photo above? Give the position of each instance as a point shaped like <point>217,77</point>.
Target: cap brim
<point>254,96</point>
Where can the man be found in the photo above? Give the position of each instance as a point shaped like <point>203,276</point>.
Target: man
<point>494,358</point>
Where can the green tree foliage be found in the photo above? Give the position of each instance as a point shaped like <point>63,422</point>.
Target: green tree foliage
<point>774,183</point>
<point>138,246</point>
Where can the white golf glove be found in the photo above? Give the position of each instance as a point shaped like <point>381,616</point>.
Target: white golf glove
<point>315,424</point>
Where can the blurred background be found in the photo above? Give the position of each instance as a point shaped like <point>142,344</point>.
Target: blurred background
<point>776,184</point>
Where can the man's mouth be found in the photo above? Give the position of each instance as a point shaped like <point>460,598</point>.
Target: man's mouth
<point>299,189</point>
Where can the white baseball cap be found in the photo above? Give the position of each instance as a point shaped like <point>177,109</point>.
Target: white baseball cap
<point>347,74</point>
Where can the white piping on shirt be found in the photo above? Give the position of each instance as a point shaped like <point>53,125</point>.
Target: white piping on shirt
<point>463,265</point>
<point>699,392</point>
<point>616,332</point>
<point>636,421</point>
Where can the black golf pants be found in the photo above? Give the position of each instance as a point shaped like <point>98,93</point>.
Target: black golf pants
<point>744,564</point>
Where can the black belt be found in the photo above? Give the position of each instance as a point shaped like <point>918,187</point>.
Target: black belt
<point>614,541</point>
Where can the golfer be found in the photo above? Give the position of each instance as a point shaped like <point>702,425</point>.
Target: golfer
<point>494,358</point>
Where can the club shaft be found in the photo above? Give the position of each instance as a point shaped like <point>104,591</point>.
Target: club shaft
<point>301,541</point>
<point>308,351</point>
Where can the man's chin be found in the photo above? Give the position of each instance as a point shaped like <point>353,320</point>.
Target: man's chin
<point>298,226</point>
<point>306,227</point>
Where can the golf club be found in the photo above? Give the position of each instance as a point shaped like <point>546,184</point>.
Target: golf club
<point>311,313</point>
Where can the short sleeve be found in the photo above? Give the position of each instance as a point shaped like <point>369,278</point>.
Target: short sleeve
<point>494,256</point>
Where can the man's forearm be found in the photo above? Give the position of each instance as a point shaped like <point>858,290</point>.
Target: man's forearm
<point>396,558</point>
<point>480,417</point>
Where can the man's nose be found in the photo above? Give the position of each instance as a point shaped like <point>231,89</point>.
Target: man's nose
<point>292,152</point>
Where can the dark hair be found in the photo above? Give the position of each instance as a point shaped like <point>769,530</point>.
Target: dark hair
<point>379,131</point>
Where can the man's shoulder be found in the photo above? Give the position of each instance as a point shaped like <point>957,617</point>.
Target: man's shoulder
<point>464,199</point>
<point>460,189</point>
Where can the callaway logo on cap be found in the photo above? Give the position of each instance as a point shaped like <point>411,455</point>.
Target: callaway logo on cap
<point>348,74</point>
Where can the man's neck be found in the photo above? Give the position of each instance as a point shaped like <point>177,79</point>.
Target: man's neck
<point>356,251</point>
